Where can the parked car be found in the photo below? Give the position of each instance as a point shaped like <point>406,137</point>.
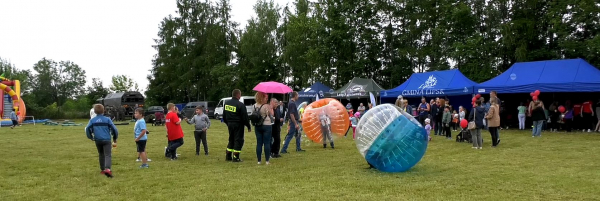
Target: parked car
<point>154,109</point>
<point>190,108</point>
<point>247,100</point>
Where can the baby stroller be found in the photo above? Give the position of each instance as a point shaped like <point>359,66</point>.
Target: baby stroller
<point>159,119</point>
<point>464,136</point>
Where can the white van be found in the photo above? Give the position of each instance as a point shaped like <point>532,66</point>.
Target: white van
<point>247,100</point>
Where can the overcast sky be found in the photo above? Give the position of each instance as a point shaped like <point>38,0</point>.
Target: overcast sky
<point>103,37</point>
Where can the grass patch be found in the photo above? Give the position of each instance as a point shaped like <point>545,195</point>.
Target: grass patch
<point>60,163</point>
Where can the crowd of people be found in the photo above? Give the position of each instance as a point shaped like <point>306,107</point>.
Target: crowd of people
<point>437,116</point>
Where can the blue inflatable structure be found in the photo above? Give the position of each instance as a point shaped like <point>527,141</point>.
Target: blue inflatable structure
<point>391,140</point>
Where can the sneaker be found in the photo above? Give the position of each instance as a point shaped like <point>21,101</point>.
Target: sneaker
<point>300,150</point>
<point>108,173</point>
<point>267,163</point>
<point>144,166</point>
<point>474,147</point>
<point>589,130</point>
<point>149,160</point>
<point>206,153</point>
<point>283,152</point>
<point>480,148</point>
<point>277,156</point>
<point>138,160</point>
<point>237,160</point>
<point>258,163</point>
<point>174,159</point>
<point>533,136</point>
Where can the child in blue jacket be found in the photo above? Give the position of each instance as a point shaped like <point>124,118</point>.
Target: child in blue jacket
<point>99,130</point>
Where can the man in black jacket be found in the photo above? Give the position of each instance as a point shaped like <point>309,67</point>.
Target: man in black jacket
<point>236,117</point>
<point>276,131</point>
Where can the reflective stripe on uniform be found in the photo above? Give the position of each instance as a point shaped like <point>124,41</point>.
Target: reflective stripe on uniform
<point>236,151</point>
<point>230,150</point>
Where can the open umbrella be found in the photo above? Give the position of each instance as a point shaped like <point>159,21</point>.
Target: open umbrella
<point>272,88</point>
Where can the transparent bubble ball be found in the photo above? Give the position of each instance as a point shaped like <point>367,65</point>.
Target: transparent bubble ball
<point>390,139</point>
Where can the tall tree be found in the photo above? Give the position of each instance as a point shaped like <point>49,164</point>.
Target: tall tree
<point>96,91</point>
<point>257,50</point>
<point>56,82</point>
<point>121,83</point>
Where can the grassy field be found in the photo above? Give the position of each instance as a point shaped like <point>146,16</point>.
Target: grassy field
<point>60,163</point>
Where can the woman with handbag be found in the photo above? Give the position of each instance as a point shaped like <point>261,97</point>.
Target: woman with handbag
<point>476,124</point>
<point>493,121</point>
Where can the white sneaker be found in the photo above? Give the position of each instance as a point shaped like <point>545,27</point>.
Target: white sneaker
<point>480,148</point>
<point>149,160</point>
<point>138,160</point>
<point>258,162</point>
<point>474,147</point>
<point>268,163</point>
<point>589,130</point>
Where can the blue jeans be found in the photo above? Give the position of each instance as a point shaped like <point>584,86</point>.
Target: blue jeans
<point>292,132</point>
<point>263,139</point>
<point>537,128</point>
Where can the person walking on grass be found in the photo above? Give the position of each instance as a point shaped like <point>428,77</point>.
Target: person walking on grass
<point>139,132</point>
<point>493,121</point>
<point>14,119</point>
<point>276,130</point>
<point>538,116</point>
<point>446,119</point>
<point>201,125</point>
<point>99,130</point>
<point>174,132</point>
<point>423,110</point>
<point>477,115</point>
<point>236,117</point>
<point>294,125</point>
<point>522,112</point>
<point>263,131</point>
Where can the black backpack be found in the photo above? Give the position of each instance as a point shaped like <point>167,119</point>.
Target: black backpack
<point>255,118</point>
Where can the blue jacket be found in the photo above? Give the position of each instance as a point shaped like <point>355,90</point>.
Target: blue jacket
<point>13,116</point>
<point>101,127</point>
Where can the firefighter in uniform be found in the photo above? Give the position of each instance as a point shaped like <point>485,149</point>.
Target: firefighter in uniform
<point>236,117</point>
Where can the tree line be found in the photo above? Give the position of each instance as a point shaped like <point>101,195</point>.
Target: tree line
<point>58,89</point>
<point>202,54</point>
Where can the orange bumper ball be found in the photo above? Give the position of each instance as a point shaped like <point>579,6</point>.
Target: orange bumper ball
<point>336,112</point>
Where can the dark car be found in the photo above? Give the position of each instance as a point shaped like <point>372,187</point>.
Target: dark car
<point>190,109</point>
<point>154,109</point>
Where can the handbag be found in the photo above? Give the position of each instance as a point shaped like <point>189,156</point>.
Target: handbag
<point>472,125</point>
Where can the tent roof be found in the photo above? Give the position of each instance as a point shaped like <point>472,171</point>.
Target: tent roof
<point>434,83</point>
<point>360,85</point>
<point>569,75</point>
<point>314,89</point>
<point>357,88</point>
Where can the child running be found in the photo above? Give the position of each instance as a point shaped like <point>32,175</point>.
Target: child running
<point>201,124</point>
<point>14,119</point>
<point>99,129</point>
<point>139,132</point>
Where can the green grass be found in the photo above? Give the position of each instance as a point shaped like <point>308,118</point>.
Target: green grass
<point>60,163</point>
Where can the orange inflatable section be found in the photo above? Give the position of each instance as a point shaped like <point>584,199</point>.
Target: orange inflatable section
<point>331,108</point>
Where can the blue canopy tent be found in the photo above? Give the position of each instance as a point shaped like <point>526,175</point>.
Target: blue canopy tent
<point>569,75</point>
<point>433,84</point>
<point>309,94</point>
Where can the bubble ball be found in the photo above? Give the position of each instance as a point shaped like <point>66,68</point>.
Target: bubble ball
<point>325,116</point>
<point>390,139</point>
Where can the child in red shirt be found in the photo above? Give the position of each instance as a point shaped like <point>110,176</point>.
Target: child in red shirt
<point>174,132</point>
